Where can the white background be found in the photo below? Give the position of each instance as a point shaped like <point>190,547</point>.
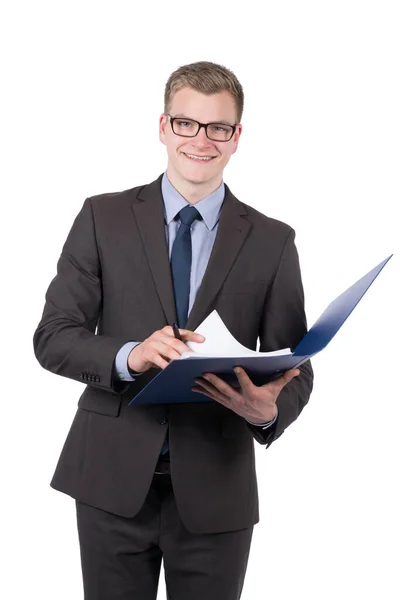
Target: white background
<point>82,90</point>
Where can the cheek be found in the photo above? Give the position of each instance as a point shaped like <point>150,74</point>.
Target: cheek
<point>225,156</point>
<point>172,149</point>
<point>226,151</point>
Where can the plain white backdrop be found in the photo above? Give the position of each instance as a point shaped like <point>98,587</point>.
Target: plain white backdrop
<point>82,91</point>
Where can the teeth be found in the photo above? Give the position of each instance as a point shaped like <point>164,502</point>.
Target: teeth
<point>199,157</point>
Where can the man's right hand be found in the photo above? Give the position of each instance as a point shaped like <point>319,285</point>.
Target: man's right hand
<point>161,347</point>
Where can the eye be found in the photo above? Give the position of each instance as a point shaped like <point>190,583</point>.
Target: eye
<point>220,128</point>
<point>185,124</point>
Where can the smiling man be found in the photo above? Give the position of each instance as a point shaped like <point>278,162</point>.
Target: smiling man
<point>172,482</point>
<point>196,163</point>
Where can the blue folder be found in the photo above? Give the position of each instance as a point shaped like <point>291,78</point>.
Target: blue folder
<point>173,384</point>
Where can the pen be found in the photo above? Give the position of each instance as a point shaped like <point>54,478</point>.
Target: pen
<point>176,331</point>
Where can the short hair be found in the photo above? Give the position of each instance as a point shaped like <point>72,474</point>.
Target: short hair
<point>207,78</point>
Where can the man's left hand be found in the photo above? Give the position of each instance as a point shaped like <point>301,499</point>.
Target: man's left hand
<point>254,403</point>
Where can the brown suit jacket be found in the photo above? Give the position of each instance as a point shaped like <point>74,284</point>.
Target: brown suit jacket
<point>113,284</point>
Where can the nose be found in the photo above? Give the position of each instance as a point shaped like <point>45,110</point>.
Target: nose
<point>201,137</point>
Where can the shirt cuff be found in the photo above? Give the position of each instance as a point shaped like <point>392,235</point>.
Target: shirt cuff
<point>121,362</point>
<point>267,424</point>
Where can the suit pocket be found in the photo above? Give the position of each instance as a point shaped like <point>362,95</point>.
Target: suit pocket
<point>101,402</point>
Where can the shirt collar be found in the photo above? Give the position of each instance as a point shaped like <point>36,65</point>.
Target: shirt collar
<point>209,207</point>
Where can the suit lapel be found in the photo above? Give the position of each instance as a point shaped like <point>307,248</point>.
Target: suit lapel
<point>233,229</point>
<point>148,208</point>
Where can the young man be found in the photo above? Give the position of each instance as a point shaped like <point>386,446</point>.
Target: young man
<point>172,481</point>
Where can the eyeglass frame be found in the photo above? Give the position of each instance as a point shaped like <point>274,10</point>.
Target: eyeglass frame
<point>205,125</point>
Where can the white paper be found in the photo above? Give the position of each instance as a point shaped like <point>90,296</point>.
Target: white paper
<point>220,342</point>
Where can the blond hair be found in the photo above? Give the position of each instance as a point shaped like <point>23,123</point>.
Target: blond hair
<point>207,78</point>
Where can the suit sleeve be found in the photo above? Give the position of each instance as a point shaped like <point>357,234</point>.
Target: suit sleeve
<point>283,325</point>
<point>65,341</point>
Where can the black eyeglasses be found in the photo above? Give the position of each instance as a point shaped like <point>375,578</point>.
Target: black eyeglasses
<point>217,132</point>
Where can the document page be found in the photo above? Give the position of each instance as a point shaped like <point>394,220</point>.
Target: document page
<point>220,342</point>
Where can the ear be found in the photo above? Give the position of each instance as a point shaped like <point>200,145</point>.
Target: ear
<point>163,122</point>
<point>236,137</point>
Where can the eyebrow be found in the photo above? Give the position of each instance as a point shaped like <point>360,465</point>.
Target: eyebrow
<point>222,121</point>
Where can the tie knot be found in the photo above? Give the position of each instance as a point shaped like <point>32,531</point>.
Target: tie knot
<point>189,214</point>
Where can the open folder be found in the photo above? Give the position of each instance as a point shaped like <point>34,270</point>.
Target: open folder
<point>220,352</point>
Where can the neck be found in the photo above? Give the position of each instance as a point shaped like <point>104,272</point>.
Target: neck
<point>192,191</point>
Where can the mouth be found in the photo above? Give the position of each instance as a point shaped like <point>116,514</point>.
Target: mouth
<point>198,158</point>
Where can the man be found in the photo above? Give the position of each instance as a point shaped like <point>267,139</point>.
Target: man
<point>173,481</point>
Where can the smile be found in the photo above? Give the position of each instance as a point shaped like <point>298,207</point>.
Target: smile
<point>198,158</point>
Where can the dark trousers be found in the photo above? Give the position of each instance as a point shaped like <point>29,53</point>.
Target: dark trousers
<point>121,557</point>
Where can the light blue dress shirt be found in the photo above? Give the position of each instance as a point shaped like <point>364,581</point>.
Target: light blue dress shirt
<point>203,237</point>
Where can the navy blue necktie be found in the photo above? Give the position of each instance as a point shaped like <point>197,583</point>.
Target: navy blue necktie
<point>181,264</point>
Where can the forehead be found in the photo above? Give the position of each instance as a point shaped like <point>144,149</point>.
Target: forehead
<point>205,108</point>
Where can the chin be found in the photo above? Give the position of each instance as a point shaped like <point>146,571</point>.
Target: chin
<point>196,174</point>
<point>194,177</point>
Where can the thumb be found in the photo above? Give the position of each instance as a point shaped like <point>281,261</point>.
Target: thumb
<point>243,378</point>
<point>285,378</point>
<point>288,375</point>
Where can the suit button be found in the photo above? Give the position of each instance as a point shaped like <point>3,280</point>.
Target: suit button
<point>162,421</point>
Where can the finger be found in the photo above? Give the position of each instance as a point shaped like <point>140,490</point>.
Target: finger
<point>284,379</point>
<point>175,344</point>
<point>159,361</point>
<point>171,351</point>
<point>184,333</point>
<point>191,335</point>
<point>220,385</point>
<point>200,390</point>
<point>244,380</point>
<point>160,354</point>
<point>211,389</point>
